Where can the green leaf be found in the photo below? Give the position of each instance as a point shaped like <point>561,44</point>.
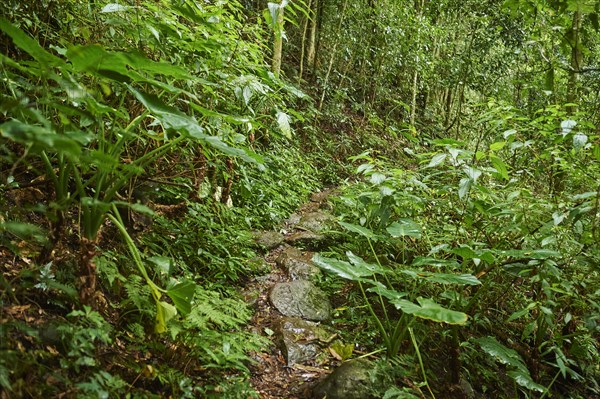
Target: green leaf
<point>40,138</point>
<point>500,167</point>
<point>182,295</point>
<point>377,178</point>
<point>436,160</point>
<point>342,268</point>
<point>509,133</point>
<point>29,45</point>
<point>164,312</point>
<point>363,231</point>
<point>404,227</point>
<point>172,118</point>
<point>523,378</point>
<point>472,172</point>
<point>500,352</point>
<point>523,312</point>
<point>497,146</point>
<point>430,310</point>
<point>121,66</point>
<point>390,294</point>
<point>428,261</point>
<point>363,266</point>
<point>464,252</point>
<point>464,186</point>
<point>164,263</point>
<point>283,121</point>
<point>510,357</point>
<point>443,278</point>
<point>25,231</point>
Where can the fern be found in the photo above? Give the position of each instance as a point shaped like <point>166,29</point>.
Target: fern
<point>138,294</point>
<point>211,309</point>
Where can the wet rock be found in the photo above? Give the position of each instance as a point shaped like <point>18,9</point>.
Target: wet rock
<point>316,221</point>
<point>305,238</point>
<point>301,340</point>
<point>301,299</point>
<point>320,196</point>
<point>349,381</point>
<point>294,219</point>
<point>298,264</point>
<point>268,239</point>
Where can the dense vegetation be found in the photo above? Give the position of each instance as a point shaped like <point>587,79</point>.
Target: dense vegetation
<point>142,142</point>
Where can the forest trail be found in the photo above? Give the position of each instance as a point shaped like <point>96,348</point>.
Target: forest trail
<point>275,375</point>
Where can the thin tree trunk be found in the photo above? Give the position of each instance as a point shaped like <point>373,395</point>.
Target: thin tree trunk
<point>413,101</point>
<point>278,43</point>
<point>576,59</point>
<point>303,46</point>
<point>419,5</point>
<point>312,40</point>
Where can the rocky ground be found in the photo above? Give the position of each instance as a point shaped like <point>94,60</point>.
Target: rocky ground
<point>293,312</point>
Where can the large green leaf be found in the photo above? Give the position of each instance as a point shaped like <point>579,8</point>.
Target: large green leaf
<point>164,312</point>
<point>174,119</point>
<point>428,261</point>
<point>436,160</point>
<point>464,186</point>
<point>29,45</point>
<point>391,295</point>
<point>358,262</point>
<point>343,269</point>
<point>182,295</point>
<point>510,357</point>
<point>443,278</point>
<point>120,66</point>
<point>363,231</point>
<point>39,138</point>
<point>430,310</point>
<point>404,227</point>
<point>500,167</point>
<point>283,121</point>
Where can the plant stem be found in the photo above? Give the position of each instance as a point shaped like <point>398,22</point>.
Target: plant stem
<point>414,342</point>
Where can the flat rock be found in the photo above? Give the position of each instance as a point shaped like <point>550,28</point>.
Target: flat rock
<point>301,298</point>
<point>349,381</point>
<point>316,221</point>
<point>268,239</point>
<point>301,341</point>
<point>305,238</point>
<point>293,220</point>
<point>320,196</point>
<point>298,264</point>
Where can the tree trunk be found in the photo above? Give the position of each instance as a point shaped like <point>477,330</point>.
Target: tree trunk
<point>312,39</point>
<point>419,5</point>
<point>278,43</point>
<point>303,45</point>
<point>576,60</point>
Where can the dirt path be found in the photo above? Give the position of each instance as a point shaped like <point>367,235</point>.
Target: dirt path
<point>271,376</point>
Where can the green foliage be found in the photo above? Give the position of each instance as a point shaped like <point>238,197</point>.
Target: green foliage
<point>271,195</point>
<point>511,358</point>
<point>169,92</point>
<point>475,229</point>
